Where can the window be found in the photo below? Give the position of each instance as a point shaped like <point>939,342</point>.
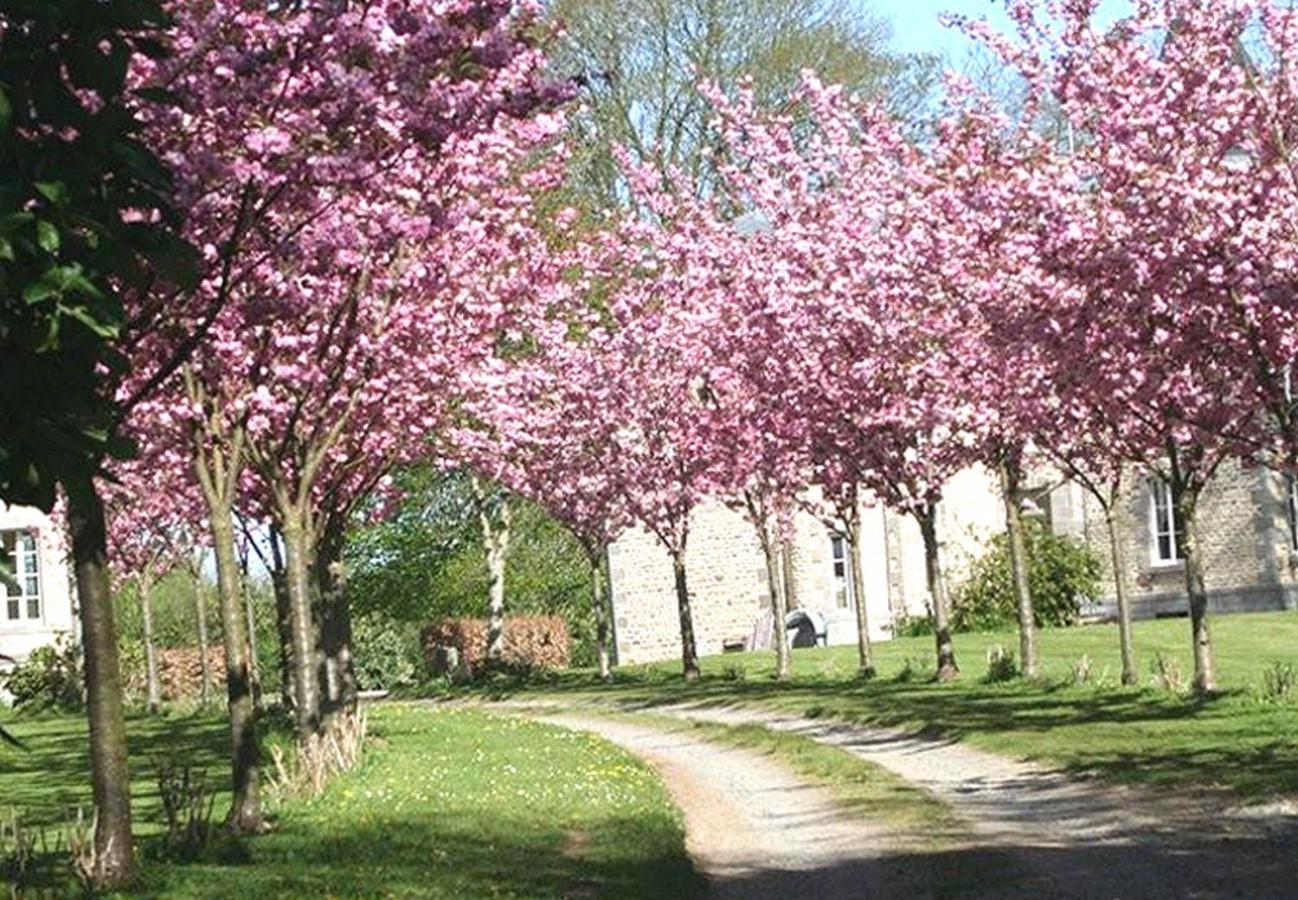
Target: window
<point>22,560</point>
<point>1165,527</point>
<point>842,562</point>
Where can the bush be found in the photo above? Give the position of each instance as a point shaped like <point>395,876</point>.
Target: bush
<point>386,653</point>
<point>1062,572</point>
<point>531,643</point>
<point>50,679</point>
<point>1279,681</point>
<point>1000,666</point>
<point>913,626</point>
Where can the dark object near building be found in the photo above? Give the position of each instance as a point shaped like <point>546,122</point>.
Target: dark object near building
<point>802,629</point>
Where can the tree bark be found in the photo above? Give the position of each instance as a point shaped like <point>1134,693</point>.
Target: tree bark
<point>205,690</point>
<point>109,775</point>
<point>946,664</point>
<point>245,749</point>
<point>495,538</point>
<point>779,603</point>
<point>298,544</point>
<point>865,652</point>
<point>599,605</point>
<point>1186,498</point>
<point>689,651</point>
<point>341,691</point>
<point>283,619</point>
<point>254,666</point>
<point>1012,494</point>
<point>1129,674</point>
<point>152,684</point>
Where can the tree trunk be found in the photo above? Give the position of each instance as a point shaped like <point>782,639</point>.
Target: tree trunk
<point>857,581</point>
<point>298,544</point>
<point>283,620</point>
<point>1187,499</point>
<point>689,651</point>
<point>1129,674</point>
<point>946,664</point>
<point>254,666</point>
<point>779,603</point>
<point>341,691</point>
<point>245,749</point>
<point>109,776</point>
<point>1012,494</point>
<point>599,605</point>
<point>152,684</point>
<point>495,538</point>
<point>205,690</point>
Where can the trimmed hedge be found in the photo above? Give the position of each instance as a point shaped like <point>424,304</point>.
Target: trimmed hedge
<point>531,642</point>
<point>180,672</point>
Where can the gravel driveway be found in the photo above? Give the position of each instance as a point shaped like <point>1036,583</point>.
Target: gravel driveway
<point>757,831</point>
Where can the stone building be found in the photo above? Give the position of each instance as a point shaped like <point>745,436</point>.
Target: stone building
<point>36,601</point>
<point>728,582</point>
<point>1246,528</point>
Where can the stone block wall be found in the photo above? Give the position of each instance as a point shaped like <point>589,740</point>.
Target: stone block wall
<point>1243,530</point>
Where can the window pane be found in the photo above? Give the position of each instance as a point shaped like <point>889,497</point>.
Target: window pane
<point>26,542</point>
<point>33,607</point>
<point>13,608</point>
<point>1165,547</point>
<point>33,586</point>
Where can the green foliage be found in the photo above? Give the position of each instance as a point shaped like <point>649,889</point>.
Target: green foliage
<point>1279,681</point>
<point>49,679</point>
<point>1001,666</point>
<point>913,626</point>
<point>386,652</point>
<point>1062,572</point>
<point>425,561</point>
<point>72,172</point>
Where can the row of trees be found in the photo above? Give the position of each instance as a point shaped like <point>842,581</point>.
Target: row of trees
<point>1099,279</point>
<point>792,301</point>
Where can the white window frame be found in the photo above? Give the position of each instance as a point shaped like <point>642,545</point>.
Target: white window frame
<point>1160,496</point>
<point>25,567</point>
<point>839,540</point>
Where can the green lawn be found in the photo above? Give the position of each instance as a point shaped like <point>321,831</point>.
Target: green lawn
<point>1146,735</point>
<point>449,803</point>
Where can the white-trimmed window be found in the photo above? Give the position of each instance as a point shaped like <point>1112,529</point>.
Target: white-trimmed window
<point>1165,526</point>
<point>841,560</point>
<point>22,594</point>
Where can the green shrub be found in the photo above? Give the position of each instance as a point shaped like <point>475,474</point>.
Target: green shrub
<point>1279,681</point>
<point>386,652</point>
<point>1062,572</point>
<point>1000,666</point>
<point>913,626</point>
<point>50,679</point>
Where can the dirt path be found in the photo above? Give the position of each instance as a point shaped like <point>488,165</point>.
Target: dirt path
<point>757,831</point>
<point>1074,837</point>
<point>753,828</point>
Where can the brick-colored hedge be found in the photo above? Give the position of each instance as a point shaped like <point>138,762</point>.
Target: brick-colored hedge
<point>531,642</point>
<point>180,669</point>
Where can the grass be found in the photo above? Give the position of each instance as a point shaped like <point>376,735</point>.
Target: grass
<point>1240,740</point>
<point>449,803</point>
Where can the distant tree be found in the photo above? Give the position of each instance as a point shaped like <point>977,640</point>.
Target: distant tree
<point>640,62</point>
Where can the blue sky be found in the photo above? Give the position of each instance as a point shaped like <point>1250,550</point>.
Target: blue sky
<point>916,28</point>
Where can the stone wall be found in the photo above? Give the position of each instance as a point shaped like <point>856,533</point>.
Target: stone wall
<point>1243,530</point>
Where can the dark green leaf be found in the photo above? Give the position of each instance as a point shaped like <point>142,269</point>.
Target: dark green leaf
<point>47,236</point>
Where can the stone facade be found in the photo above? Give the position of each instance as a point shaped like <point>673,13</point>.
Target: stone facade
<point>1245,533</point>
<point>33,550</point>
<point>728,582</point>
<point>1245,530</point>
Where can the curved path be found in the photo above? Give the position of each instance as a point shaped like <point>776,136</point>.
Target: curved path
<point>753,828</point>
<point>756,830</point>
